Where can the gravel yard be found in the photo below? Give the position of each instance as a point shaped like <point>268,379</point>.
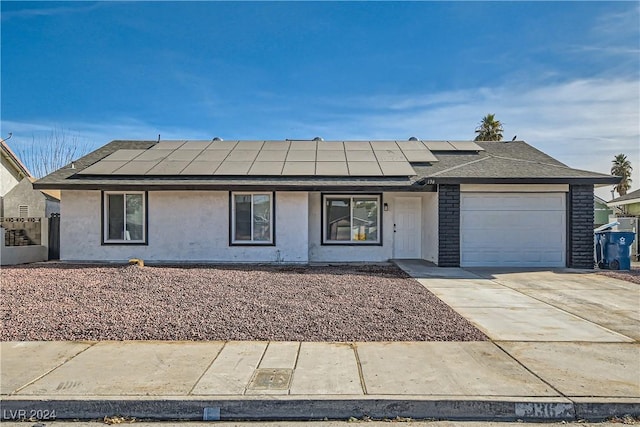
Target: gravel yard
<point>333,303</point>
<point>632,275</point>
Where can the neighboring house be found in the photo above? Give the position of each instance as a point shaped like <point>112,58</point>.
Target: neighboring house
<point>602,212</point>
<point>12,171</point>
<point>629,204</point>
<point>22,201</point>
<point>451,203</point>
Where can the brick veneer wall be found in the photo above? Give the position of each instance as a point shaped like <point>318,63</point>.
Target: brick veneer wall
<point>580,226</point>
<point>449,225</point>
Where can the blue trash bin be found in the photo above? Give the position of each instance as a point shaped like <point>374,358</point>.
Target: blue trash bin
<point>613,249</point>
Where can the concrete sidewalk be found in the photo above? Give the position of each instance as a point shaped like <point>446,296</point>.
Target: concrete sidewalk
<point>546,362</point>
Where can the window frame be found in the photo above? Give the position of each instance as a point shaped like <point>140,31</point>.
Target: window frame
<point>232,216</point>
<point>105,220</point>
<point>324,197</point>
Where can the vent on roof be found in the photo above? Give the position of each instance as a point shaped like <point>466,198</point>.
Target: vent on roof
<point>413,138</point>
<point>217,138</point>
<point>318,138</point>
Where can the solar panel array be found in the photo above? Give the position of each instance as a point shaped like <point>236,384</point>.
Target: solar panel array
<point>274,158</point>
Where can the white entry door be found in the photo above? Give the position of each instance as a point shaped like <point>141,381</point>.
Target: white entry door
<point>407,236</point>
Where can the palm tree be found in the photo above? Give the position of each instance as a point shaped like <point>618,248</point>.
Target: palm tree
<point>489,129</point>
<point>622,168</point>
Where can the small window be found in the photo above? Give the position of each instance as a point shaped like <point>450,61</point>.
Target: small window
<point>252,218</point>
<point>351,219</point>
<point>124,217</point>
<point>23,211</point>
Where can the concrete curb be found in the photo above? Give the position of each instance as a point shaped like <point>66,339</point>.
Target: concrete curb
<point>198,409</point>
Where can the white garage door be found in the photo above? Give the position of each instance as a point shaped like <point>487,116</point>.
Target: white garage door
<point>512,229</point>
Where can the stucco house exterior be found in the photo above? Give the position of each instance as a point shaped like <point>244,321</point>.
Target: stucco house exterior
<point>12,171</point>
<point>629,204</point>
<point>23,201</point>
<point>454,203</point>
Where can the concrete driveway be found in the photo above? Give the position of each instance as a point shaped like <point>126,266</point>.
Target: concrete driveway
<point>539,305</point>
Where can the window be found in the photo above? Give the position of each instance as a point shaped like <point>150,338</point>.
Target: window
<point>252,218</point>
<point>124,217</point>
<point>23,211</point>
<point>351,219</point>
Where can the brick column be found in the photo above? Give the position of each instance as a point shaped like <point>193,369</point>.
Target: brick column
<point>580,226</point>
<point>449,225</point>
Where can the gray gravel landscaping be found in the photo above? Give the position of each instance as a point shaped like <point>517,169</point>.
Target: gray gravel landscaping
<point>323,303</point>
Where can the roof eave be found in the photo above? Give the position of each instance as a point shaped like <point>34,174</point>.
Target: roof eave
<point>528,180</point>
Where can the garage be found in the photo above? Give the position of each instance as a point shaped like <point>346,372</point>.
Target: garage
<point>513,229</point>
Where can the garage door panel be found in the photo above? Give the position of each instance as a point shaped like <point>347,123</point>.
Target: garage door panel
<point>526,230</point>
<point>530,202</point>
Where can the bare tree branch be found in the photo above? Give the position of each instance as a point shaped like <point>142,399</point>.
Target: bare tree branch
<point>51,152</point>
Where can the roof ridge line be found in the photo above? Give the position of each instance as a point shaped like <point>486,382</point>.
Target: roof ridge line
<point>460,166</point>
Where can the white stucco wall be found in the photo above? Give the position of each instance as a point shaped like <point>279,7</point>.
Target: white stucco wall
<point>183,226</point>
<point>430,227</point>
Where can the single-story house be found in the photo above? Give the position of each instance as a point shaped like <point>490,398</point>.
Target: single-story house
<point>300,201</point>
<point>629,204</point>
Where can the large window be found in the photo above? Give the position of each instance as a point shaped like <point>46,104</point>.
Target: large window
<point>252,218</point>
<point>351,219</point>
<point>124,217</point>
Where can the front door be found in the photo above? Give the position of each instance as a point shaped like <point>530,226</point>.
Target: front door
<point>407,229</point>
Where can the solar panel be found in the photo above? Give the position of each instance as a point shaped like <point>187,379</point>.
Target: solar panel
<point>135,168</point>
<point>301,156</point>
<point>302,145</point>
<point>364,169</point>
<point>233,168</point>
<point>396,169</point>
<point>330,156</point>
<point>330,145</point>
<point>200,168</point>
<point>207,155</point>
<point>439,146</point>
<point>195,145</point>
<point>242,155</point>
<point>390,155</point>
<point>266,168</point>
<point>103,167</point>
<point>168,145</point>
<point>361,156</point>
<point>384,145</point>
<point>420,156</point>
<point>155,155</point>
<point>299,168</point>
<point>276,145</point>
<point>186,155</point>
<point>357,146</point>
<point>271,156</point>
<point>332,168</point>
<point>123,155</point>
<point>168,167</point>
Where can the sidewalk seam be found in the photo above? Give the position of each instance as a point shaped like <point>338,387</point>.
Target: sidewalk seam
<point>354,346</point>
<point>190,392</point>
<point>16,391</point>
<point>531,372</point>
<point>295,365</point>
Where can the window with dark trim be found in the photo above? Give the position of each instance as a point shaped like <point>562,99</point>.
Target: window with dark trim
<point>251,218</point>
<point>124,217</point>
<point>351,219</point>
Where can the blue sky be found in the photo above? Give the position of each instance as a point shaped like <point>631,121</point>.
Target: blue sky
<point>564,76</point>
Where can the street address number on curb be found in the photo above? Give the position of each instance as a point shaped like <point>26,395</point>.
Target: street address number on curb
<point>211,414</point>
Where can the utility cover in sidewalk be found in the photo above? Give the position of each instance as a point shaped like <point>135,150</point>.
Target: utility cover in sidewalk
<point>271,379</point>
